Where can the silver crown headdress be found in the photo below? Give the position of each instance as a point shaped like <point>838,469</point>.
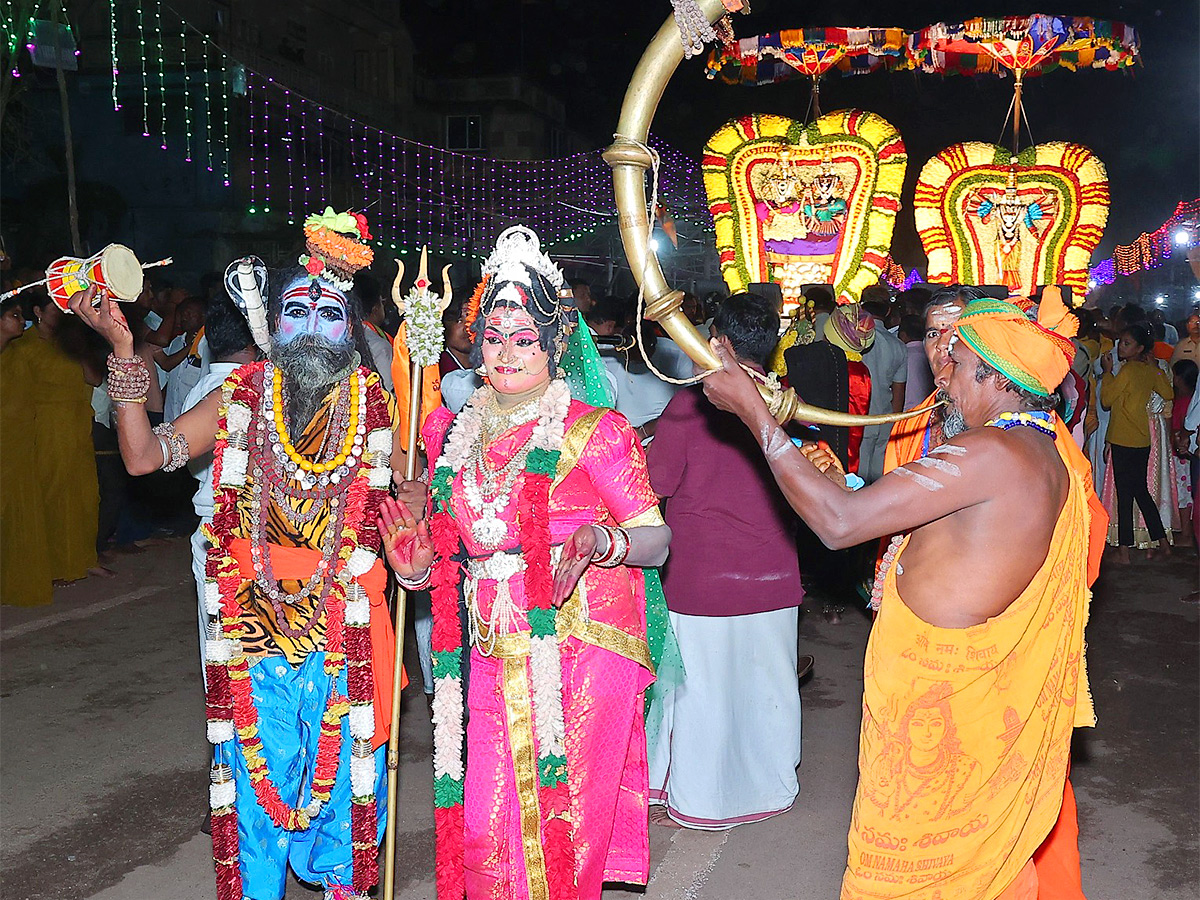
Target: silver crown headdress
<point>517,255</point>
<point>518,249</point>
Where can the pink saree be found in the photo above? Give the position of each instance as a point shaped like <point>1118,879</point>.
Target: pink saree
<point>605,670</point>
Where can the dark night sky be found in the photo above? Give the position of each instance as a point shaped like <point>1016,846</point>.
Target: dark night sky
<point>1144,125</point>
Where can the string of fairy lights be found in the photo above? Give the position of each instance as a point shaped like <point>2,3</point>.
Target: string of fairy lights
<point>194,113</point>
<point>1149,250</point>
<point>303,154</point>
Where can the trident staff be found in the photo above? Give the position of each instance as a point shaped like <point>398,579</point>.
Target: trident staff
<point>420,339</point>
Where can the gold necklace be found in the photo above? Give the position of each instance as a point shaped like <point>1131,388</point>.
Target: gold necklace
<point>496,420</point>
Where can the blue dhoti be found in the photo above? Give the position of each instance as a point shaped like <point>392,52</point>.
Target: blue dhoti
<point>290,703</point>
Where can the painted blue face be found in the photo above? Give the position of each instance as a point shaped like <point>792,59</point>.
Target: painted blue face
<point>314,308</point>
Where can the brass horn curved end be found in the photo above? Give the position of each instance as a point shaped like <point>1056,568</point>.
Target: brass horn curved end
<point>629,162</point>
<point>785,405</point>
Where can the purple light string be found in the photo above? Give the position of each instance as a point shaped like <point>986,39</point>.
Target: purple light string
<point>251,94</point>
<point>307,206</point>
<point>289,138</point>
<point>450,200</point>
<point>264,127</point>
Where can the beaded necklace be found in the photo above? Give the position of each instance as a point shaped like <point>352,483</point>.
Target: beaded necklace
<point>278,476</point>
<point>1039,421</point>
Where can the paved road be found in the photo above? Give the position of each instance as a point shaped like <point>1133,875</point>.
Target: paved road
<point>103,760</point>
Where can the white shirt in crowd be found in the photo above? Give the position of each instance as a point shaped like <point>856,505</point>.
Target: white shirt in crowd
<point>670,359</point>
<point>1191,420</point>
<point>184,377</point>
<point>381,352</point>
<point>887,361</point>
<point>641,395</point>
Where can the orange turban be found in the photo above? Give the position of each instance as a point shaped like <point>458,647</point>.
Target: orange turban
<point>1032,355</point>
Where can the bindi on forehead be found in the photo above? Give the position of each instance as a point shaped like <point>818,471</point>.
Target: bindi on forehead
<point>510,320</point>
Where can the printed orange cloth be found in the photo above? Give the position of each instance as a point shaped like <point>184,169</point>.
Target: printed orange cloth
<point>299,563</point>
<point>431,388</point>
<point>1057,860</point>
<point>966,733</point>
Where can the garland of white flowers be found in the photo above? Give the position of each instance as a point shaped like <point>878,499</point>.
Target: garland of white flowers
<point>424,333</point>
<point>544,655</point>
<point>544,664</point>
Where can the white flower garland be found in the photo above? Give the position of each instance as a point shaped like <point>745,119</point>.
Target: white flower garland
<point>423,330</point>
<point>448,728</point>
<point>236,456</point>
<point>544,658</point>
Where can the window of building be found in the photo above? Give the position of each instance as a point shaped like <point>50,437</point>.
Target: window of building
<point>464,132</point>
<point>294,42</point>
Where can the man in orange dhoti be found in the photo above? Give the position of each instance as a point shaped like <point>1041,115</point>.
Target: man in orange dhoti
<point>975,676</point>
<point>1057,860</point>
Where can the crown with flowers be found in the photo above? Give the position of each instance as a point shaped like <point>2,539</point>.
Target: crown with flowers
<point>335,246</point>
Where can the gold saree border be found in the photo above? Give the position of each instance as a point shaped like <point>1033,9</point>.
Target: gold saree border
<point>574,443</point>
<point>517,708</point>
<point>570,623</point>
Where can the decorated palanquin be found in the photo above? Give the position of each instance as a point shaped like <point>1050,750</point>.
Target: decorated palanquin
<point>800,204</point>
<point>987,217</point>
<point>813,52</point>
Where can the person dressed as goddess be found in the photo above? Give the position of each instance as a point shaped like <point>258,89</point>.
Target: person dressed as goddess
<point>540,517</point>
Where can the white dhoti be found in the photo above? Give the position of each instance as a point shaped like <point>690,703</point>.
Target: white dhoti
<point>199,572</point>
<point>730,734</point>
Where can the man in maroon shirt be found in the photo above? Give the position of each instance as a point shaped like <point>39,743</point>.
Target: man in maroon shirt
<point>730,734</point>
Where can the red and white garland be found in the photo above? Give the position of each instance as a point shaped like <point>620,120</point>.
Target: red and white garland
<point>535,566</point>
<point>231,711</point>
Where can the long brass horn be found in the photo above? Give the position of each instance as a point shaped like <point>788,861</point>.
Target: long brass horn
<point>630,161</point>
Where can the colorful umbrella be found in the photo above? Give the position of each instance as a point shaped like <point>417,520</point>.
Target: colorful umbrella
<point>811,52</point>
<point>1023,45</point>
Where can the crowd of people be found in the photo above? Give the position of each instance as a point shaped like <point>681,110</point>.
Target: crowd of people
<point>607,640</point>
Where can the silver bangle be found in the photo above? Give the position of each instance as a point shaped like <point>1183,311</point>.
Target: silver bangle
<point>418,584</point>
<point>174,447</point>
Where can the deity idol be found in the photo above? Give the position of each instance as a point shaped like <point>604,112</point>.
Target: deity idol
<point>1014,216</point>
<point>802,221</point>
<point>542,516</point>
<point>299,650</point>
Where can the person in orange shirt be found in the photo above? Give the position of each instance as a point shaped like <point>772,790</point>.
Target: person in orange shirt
<point>964,674</point>
<point>915,437</point>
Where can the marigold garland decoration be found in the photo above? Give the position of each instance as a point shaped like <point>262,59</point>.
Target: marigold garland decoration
<point>334,242</point>
<point>797,204</point>
<point>232,715</point>
<point>471,310</point>
<point>987,217</point>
